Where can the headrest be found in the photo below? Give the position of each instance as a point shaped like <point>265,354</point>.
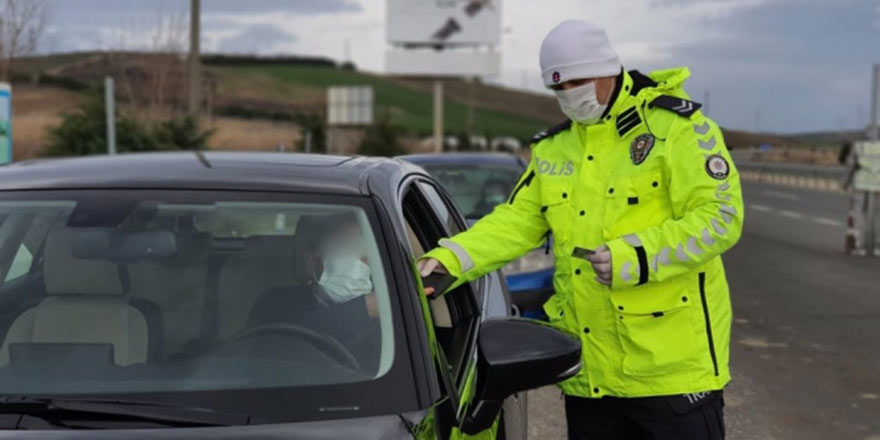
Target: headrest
<point>65,274</point>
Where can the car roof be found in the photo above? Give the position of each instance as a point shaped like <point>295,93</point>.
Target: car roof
<point>255,171</point>
<point>463,159</point>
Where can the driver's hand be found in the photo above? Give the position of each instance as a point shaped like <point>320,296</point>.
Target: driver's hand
<point>428,266</point>
<point>372,305</point>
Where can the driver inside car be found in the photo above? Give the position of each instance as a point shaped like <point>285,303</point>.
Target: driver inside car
<point>333,294</point>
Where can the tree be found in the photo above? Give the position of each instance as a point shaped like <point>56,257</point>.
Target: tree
<point>381,139</point>
<point>181,133</point>
<point>22,23</point>
<point>312,123</point>
<point>84,132</point>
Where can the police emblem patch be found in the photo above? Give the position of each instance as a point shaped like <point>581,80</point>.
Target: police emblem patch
<point>640,148</point>
<point>555,77</point>
<point>717,167</point>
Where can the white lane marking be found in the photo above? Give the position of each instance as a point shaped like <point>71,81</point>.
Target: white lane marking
<point>791,214</point>
<point>761,208</point>
<point>780,194</point>
<point>827,221</point>
<point>762,343</point>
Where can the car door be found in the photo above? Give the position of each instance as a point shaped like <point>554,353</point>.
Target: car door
<point>430,215</point>
<point>455,316</point>
<point>492,295</point>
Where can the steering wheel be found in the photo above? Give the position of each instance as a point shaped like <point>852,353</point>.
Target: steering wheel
<point>323,342</point>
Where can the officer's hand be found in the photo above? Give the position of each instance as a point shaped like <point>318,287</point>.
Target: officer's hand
<point>428,266</point>
<point>601,261</point>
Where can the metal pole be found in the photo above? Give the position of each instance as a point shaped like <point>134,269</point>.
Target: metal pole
<point>195,67</point>
<point>874,129</point>
<point>438,116</point>
<point>331,142</point>
<point>470,110</point>
<point>308,141</point>
<point>110,110</point>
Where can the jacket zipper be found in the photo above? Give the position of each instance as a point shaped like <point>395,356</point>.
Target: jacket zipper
<point>708,321</point>
<point>526,182</point>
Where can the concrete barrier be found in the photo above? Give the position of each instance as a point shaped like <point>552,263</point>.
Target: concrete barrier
<point>815,177</point>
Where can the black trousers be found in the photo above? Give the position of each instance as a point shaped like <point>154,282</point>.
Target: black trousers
<point>695,416</point>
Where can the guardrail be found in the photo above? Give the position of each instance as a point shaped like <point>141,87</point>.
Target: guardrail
<point>819,177</point>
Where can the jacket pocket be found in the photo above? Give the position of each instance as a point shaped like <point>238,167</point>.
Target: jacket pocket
<point>556,309</point>
<point>656,329</point>
<point>556,207</point>
<point>633,203</point>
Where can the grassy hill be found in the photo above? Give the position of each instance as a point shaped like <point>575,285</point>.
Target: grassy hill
<point>408,105</point>
<point>255,101</point>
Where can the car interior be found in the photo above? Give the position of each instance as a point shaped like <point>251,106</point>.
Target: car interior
<point>160,289</point>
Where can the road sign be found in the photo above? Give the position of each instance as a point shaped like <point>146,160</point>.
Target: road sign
<point>5,123</point>
<point>350,105</point>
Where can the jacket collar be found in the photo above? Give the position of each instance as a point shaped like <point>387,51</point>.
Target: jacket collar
<point>620,100</point>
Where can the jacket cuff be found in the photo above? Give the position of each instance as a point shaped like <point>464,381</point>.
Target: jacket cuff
<point>447,258</point>
<point>626,270</point>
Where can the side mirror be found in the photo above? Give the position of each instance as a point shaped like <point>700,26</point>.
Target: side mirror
<point>517,355</point>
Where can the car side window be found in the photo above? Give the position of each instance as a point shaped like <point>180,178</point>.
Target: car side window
<point>455,314</point>
<point>442,207</point>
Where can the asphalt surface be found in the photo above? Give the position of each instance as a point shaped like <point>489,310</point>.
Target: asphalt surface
<point>805,348</point>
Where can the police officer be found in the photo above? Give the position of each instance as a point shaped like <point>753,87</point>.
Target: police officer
<point>863,160</point>
<point>642,198</point>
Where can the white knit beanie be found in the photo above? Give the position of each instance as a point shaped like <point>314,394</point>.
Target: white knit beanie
<point>575,50</point>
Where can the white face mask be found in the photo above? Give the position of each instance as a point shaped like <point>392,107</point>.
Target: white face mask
<point>581,104</point>
<point>345,277</point>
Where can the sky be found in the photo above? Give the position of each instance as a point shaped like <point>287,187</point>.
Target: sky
<point>765,65</point>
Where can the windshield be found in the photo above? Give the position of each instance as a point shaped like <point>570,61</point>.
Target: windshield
<point>109,292</point>
<point>476,189</point>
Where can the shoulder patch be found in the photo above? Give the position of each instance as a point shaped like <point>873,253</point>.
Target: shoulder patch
<point>627,120</point>
<point>675,104</point>
<point>550,132</point>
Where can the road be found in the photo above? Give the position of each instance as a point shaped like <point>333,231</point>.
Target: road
<point>805,346</point>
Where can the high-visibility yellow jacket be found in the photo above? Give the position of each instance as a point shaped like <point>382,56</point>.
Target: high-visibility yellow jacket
<point>867,174</point>
<point>654,181</point>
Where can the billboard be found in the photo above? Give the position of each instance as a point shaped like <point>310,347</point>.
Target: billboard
<point>447,63</point>
<point>444,22</point>
<point>5,123</point>
<point>350,105</point>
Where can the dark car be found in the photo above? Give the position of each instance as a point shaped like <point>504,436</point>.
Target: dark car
<point>478,182</point>
<point>242,295</point>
